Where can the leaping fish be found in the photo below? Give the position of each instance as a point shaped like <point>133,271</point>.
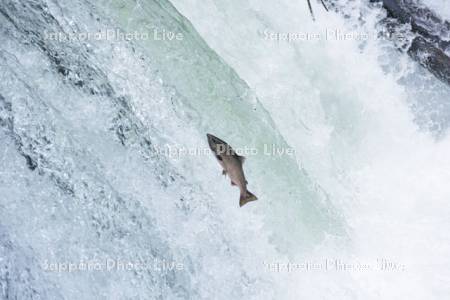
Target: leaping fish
<point>232,166</point>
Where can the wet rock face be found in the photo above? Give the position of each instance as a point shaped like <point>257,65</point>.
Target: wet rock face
<point>434,59</point>
<point>423,21</point>
<point>431,47</point>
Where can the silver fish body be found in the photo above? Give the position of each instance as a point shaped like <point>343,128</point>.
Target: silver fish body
<point>232,164</point>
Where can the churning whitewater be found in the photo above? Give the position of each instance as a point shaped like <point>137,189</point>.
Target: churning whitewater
<point>108,190</point>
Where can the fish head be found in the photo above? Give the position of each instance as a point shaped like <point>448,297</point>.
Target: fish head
<point>217,145</point>
<point>221,150</point>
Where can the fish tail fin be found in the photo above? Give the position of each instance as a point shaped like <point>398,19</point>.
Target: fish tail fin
<point>247,197</point>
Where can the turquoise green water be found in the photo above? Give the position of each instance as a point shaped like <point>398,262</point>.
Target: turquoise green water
<point>218,101</point>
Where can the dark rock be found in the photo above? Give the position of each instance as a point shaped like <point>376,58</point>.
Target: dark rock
<point>428,48</point>
<point>431,57</point>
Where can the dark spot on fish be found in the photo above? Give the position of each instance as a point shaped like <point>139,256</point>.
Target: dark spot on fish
<point>219,157</point>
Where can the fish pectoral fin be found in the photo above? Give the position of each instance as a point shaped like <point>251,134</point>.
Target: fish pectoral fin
<point>224,172</point>
<point>241,158</point>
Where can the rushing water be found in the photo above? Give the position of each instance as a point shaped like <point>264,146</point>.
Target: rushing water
<point>91,172</point>
<point>442,8</point>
